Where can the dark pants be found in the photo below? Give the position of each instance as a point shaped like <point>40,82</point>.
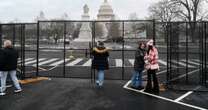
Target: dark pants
<point>151,74</point>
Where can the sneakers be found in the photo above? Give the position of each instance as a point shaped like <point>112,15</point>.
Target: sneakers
<point>18,90</point>
<point>2,94</point>
<point>98,83</point>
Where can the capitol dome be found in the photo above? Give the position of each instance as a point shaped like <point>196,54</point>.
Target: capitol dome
<point>105,11</point>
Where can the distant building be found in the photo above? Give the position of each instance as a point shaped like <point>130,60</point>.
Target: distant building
<point>105,12</point>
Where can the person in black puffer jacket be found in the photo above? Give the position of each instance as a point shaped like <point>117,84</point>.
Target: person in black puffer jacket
<point>8,57</point>
<point>100,61</point>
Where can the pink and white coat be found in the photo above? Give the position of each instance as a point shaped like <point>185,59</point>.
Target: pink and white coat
<point>152,59</point>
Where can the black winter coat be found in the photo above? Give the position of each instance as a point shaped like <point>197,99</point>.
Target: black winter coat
<point>1,59</point>
<point>8,59</point>
<point>139,59</point>
<point>100,60</point>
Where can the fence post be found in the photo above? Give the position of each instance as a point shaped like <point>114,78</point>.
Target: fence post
<point>167,44</point>
<point>154,33</point>
<point>14,34</point>
<point>206,71</point>
<point>0,36</point>
<point>187,53</point>
<point>202,54</point>
<point>91,47</point>
<point>123,50</point>
<point>23,49</point>
<point>37,51</point>
<point>64,74</point>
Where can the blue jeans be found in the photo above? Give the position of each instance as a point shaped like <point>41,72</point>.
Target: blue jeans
<point>100,79</point>
<point>3,75</point>
<point>136,80</point>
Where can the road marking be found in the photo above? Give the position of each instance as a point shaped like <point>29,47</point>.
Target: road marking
<point>88,63</point>
<point>48,61</point>
<point>34,61</point>
<point>197,60</point>
<point>162,62</point>
<point>189,61</point>
<point>74,62</point>
<point>183,96</point>
<point>183,64</point>
<point>131,61</point>
<point>183,75</point>
<point>119,62</point>
<point>158,73</point>
<point>59,62</point>
<point>28,59</point>
<point>163,98</point>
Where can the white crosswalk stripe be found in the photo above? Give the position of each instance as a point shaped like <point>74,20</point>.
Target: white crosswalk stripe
<point>74,62</point>
<point>162,62</point>
<point>48,61</point>
<point>191,62</point>
<point>88,63</point>
<point>159,61</point>
<point>27,59</point>
<point>197,60</point>
<point>59,62</point>
<point>183,64</point>
<point>131,61</point>
<point>118,62</point>
<point>34,61</point>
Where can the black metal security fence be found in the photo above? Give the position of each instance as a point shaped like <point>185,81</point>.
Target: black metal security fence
<point>186,52</point>
<point>24,38</point>
<point>62,48</point>
<point>72,41</point>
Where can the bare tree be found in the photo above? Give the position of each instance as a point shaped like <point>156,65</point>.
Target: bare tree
<point>164,11</point>
<point>191,11</point>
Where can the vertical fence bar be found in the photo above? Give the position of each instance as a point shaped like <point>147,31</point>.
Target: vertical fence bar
<point>176,49</point>
<point>167,44</point>
<point>206,71</point>
<point>170,50</point>
<point>14,34</point>
<point>23,50</point>
<point>37,51</point>
<point>186,53</point>
<point>123,50</point>
<point>154,33</point>
<point>202,55</point>
<point>91,48</point>
<point>64,66</point>
<point>0,36</point>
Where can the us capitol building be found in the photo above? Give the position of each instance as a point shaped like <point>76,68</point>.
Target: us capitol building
<point>105,13</point>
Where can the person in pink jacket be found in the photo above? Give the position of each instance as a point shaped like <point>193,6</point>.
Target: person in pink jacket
<point>151,60</point>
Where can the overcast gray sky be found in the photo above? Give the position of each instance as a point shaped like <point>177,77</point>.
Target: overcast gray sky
<point>27,10</point>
